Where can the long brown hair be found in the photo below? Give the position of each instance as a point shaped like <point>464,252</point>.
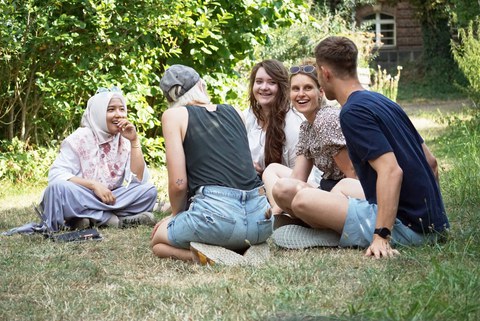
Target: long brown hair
<point>275,134</point>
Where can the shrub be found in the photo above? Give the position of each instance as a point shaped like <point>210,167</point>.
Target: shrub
<point>296,42</point>
<point>467,54</point>
<point>20,163</point>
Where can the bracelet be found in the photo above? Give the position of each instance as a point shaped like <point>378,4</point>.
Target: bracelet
<point>136,145</point>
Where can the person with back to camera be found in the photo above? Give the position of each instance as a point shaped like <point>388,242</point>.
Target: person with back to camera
<point>398,173</point>
<point>219,207</point>
<point>272,124</point>
<point>85,180</point>
<point>321,144</point>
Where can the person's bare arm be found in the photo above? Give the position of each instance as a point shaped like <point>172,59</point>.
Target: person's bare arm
<point>302,168</point>
<point>100,190</point>
<point>432,161</point>
<point>344,163</point>
<point>241,115</point>
<point>389,180</point>
<point>137,162</point>
<point>174,125</point>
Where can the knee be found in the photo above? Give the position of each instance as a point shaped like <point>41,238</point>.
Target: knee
<point>160,247</point>
<point>301,201</point>
<point>160,233</point>
<point>270,171</point>
<point>161,250</point>
<point>281,189</point>
<point>267,171</point>
<point>147,192</point>
<point>156,240</point>
<point>151,192</point>
<point>58,186</point>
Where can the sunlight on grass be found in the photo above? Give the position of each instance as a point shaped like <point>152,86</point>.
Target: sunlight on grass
<point>119,278</point>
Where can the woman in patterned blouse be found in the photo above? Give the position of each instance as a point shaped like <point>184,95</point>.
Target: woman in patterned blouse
<point>321,144</point>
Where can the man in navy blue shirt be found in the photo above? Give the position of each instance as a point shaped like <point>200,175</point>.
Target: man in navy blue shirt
<point>398,173</point>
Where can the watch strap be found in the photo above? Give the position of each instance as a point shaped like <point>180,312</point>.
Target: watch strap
<point>383,232</point>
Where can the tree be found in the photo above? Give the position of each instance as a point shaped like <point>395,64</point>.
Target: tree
<point>54,54</point>
<point>344,8</point>
<point>467,54</point>
<point>464,12</point>
<point>435,18</point>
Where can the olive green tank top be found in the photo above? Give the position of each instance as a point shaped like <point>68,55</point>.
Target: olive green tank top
<point>216,150</point>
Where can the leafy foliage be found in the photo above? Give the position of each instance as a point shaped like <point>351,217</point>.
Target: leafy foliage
<point>437,68</point>
<point>296,42</point>
<point>467,54</point>
<point>54,54</point>
<point>465,11</point>
<point>21,164</point>
<point>438,61</point>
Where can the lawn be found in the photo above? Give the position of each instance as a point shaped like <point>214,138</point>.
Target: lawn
<point>119,279</point>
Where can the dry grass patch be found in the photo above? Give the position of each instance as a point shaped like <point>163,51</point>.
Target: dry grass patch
<point>119,279</point>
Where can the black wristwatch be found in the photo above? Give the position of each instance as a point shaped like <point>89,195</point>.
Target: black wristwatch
<point>383,232</point>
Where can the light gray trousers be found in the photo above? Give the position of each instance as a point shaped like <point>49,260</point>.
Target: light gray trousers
<point>64,200</point>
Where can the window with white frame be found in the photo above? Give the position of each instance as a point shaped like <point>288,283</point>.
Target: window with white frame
<point>383,25</point>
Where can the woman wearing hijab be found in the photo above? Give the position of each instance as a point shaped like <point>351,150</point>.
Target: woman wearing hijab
<point>100,176</point>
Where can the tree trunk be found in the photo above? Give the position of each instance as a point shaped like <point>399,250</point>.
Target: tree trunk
<point>11,120</point>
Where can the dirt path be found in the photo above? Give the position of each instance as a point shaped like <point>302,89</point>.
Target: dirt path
<point>417,110</point>
<point>441,105</point>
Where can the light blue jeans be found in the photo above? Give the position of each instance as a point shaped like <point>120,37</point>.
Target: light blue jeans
<point>223,216</point>
<point>360,223</point>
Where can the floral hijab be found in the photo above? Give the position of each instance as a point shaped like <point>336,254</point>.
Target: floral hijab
<point>103,157</point>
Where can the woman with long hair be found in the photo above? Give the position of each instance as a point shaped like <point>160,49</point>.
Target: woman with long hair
<point>272,124</point>
<point>321,144</point>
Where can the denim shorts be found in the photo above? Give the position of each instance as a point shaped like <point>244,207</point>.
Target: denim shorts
<point>223,216</point>
<point>360,223</point>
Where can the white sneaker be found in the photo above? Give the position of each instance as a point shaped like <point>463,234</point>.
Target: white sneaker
<point>299,237</point>
<point>145,218</point>
<point>257,254</point>
<point>206,254</point>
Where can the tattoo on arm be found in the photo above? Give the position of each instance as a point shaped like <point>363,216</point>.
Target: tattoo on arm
<point>179,181</point>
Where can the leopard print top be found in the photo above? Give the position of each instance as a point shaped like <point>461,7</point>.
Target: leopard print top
<point>322,140</point>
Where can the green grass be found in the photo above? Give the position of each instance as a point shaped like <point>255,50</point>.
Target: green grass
<point>119,279</point>
<point>415,86</point>
<point>418,91</point>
